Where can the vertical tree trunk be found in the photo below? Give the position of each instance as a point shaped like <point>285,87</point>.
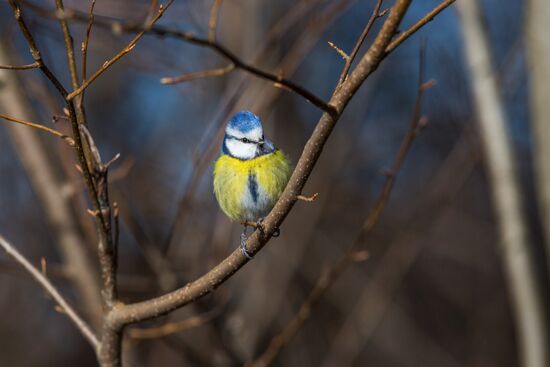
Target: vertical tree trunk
<point>538,56</point>
<point>517,257</point>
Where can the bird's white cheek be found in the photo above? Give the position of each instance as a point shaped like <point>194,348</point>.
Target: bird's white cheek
<point>241,150</point>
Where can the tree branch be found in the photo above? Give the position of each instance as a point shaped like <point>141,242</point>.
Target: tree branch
<point>173,326</point>
<point>34,65</point>
<point>68,139</point>
<point>199,74</point>
<point>86,41</point>
<point>213,21</point>
<point>69,47</point>
<point>52,291</point>
<point>278,80</point>
<point>69,50</point>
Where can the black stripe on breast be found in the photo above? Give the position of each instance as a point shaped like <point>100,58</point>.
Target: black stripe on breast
<point>253,186</point>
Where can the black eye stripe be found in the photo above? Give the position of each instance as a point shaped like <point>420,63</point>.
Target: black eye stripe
<point>243,140</point>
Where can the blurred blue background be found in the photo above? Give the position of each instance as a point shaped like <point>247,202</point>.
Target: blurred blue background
<point>432,293</point>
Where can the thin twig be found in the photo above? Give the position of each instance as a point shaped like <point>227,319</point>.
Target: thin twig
<point>118,56</point>
<point>341,52</point>
<point>71,60</point>
<point>352,255</point>
<point>375,15</point>
<point>34,65</point>
<point>419,24</point>
<point>81,325</point>
<point>173,327</point>
<point>33,49</point>
<point>199,74</point>
<point>308,199</point>
<point>116,218</point>
<point>69,47</point>
<point>86,41</point>
<point>213,21</point>
<point>68,139</point>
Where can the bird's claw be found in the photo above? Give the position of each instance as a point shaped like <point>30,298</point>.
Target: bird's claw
<point>261,227</point>
<point>244,251</point>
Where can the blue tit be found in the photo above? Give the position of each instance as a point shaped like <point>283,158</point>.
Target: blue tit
<point>250,174</point>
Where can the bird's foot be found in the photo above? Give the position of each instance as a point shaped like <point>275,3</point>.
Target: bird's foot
<point>260,226</point>
<point>244,251</point>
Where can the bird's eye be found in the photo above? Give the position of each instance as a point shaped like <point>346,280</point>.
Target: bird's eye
<point>245,140</point>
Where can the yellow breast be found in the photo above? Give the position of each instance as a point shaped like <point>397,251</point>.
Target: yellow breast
<point>248,189</point>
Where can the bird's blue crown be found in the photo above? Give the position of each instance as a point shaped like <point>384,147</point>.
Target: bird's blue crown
<point>244,121</point>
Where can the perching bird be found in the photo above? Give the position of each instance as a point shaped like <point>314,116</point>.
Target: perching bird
<point>250,174</point>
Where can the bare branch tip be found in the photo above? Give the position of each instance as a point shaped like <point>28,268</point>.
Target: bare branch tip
<point>116,28</point>
<point>388,172</point>
<point>308,199</point>
<point>429,84</point>
<point>341,52</point>
<point>43,265</point>
<point>69,140</point>
<point>360,256</point>
<point>422,123</point>
<point>93,213</point>
<point>383,12</point>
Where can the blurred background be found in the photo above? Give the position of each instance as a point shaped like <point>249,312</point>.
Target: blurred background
<point>434,290</point>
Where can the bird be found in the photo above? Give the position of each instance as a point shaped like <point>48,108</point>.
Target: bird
<point>250,174</point>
